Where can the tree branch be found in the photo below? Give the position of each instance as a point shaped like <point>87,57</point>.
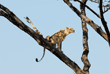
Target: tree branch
<point>29,21</point>
<point>106,9</point>
<point>104,23</point>
<point>87,20</point>
<point>39,38</point>
<point>88,8</point>
<point>84,57</point>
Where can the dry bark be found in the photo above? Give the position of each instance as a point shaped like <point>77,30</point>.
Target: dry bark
<point>5,12</point>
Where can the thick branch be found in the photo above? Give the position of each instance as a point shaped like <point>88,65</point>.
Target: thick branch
<point>13,19</point>
<point>39,38</point>
<point>85,40</point>
<point>87,20</point>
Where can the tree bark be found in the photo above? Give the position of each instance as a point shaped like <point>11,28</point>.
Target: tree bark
<point>84,57</point>
<point>39,38</point>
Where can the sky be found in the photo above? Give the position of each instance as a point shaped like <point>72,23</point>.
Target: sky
<point>18,50</point>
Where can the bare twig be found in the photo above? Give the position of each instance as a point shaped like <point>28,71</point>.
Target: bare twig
<point>89,8</point>
<point>29,21</point>
<point>96,1</point>
<point>106,8</point>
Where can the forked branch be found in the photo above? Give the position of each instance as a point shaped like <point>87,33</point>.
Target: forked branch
<point>87,20</point>
<point>88,8</point>
<point>5,12</point>
<point>104,23</point>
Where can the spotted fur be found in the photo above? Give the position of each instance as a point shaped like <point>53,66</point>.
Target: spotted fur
<point>58,38</point>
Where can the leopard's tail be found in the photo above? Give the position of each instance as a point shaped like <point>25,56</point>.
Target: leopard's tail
<point>42,56</point>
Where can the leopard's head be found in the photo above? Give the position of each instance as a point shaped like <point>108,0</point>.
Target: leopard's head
<point>69,30</point>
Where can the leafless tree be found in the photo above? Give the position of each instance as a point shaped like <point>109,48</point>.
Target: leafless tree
<point>5,12</point>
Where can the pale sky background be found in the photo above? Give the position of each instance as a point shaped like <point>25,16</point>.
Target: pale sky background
<point>18,50</point>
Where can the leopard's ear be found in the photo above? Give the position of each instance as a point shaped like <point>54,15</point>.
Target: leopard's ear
<point>47,37</point>
<point>66,27</point>
<point>66,31</point>
<point>69,27</point>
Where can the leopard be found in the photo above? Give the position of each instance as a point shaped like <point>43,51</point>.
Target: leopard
<point>57,39</point>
